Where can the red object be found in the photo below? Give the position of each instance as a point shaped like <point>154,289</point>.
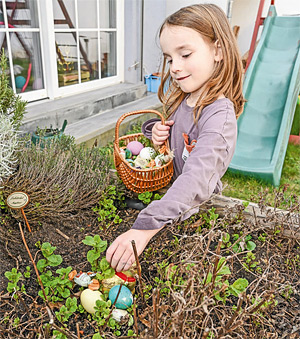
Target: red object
<point>28,77</point>
<point>29,67</point>
<point>259,21</point>
<point>125,277</point>
<point>294,139</point>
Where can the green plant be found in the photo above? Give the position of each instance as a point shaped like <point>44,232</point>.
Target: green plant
<point>222,288</point>
<point>106,208</point>
<point>57,287</point>
<point>210,218</point>
<point>14,277</point>
<point>50,259</point>
<point>11,104</point>
<point>2,202</point>
<point>102,311</point>
<point>101,266</point>
<point>250,262</point>
<point>27,272</point>
<point>16,321</point>
<point>147,197</point>
<point>67,310</point>
<point>243,244</point>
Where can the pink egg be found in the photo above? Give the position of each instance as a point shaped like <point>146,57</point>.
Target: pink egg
<point>135,147</point>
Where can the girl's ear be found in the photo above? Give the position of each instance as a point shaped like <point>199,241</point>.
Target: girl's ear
<point>218,51</point>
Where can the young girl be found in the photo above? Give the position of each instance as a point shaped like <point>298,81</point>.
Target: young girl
<point>203,68</point>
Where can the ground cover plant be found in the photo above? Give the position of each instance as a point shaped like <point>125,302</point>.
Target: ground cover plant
<point>206,277</point>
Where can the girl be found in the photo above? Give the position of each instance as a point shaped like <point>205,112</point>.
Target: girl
<point>204,99</point>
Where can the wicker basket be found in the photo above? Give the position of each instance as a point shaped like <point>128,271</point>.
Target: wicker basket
<point>140,180</point>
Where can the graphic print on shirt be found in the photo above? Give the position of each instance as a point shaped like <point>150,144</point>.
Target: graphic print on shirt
<point>187,146</point>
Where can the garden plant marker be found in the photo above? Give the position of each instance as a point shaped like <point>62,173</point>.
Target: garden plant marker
<point>17,201</point>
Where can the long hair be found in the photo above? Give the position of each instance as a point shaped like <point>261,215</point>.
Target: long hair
<point>211,22</point>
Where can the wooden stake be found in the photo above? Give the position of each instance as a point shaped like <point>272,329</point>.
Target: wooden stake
<point>26,221</point>
<point>138,269</point>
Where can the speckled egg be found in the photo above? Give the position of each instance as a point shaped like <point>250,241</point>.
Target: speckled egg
<point>125,298</point>
<point>147,153</point>
<point>135,147</point>
<point>88,299</point>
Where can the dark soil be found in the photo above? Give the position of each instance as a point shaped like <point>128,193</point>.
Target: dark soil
<point>180,309</point>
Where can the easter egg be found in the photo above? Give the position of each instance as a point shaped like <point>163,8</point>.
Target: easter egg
<point>88,299</point>
<point>135,147</point>
<point>147,153</point>
<point>121,316</point>
<point>122,153</point>
<point>125,298</point>
<point>159,160</point>
<point>140,163</point>
<point>128,153</point>
<point>131,162</point>
<point>20,81</point>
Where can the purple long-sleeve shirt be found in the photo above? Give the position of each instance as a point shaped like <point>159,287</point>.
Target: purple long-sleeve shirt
<point>199,176</point>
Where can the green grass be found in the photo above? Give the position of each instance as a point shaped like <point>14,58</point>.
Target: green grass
<point>247,188</point>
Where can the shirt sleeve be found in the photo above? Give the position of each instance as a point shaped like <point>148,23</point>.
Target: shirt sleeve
<point>147,127</point>
<point>204,167</point>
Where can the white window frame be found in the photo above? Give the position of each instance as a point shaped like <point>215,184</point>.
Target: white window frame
<point>48,41</point>
<point>36,94</point>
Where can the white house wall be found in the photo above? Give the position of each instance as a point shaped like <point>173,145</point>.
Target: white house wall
<point>244,15</point>
<point>155,11</point>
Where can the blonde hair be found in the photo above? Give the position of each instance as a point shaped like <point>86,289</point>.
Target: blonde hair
<point>211,22</point>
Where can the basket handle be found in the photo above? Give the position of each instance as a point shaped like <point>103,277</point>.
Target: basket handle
<point>124,116</point>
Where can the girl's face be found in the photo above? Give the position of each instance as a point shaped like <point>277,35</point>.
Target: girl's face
<point>191,58</point>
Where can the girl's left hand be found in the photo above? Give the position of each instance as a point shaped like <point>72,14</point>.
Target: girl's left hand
<point>120,253</point>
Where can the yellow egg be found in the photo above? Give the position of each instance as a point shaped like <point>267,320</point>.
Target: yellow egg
<point>88,299</point>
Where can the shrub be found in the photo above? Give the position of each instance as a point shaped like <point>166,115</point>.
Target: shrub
<point>12,109</point>
<point>61,179</point>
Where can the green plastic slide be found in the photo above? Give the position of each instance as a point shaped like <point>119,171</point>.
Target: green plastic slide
<point>271,88</point>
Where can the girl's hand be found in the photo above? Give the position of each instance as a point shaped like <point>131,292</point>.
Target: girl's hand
<point>160,132</point>
<point>120,253</point>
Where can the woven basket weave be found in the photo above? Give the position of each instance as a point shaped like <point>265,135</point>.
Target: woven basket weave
<point>140,180</point>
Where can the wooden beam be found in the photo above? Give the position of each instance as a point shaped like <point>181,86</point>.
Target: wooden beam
<point>268,217</point>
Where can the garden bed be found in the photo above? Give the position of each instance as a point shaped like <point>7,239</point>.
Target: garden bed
<point>208,277</point>
<point>231,271</point>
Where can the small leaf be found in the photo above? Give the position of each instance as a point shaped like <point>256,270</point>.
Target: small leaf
<point>250,245</point>
<point>41,264</point>
<point>239,286</point>
<point>89,241</point>
<point>92,255</point>
<point>55,260</point>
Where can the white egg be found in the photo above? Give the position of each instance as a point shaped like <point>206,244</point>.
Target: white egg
<point>147,153</point>
<point>121,316</point>
<point>88,299</point>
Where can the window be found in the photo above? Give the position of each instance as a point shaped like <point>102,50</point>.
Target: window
<point>60,47</point>
<point>20,38</point>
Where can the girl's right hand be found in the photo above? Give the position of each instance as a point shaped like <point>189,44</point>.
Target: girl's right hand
<point>160,132</point>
